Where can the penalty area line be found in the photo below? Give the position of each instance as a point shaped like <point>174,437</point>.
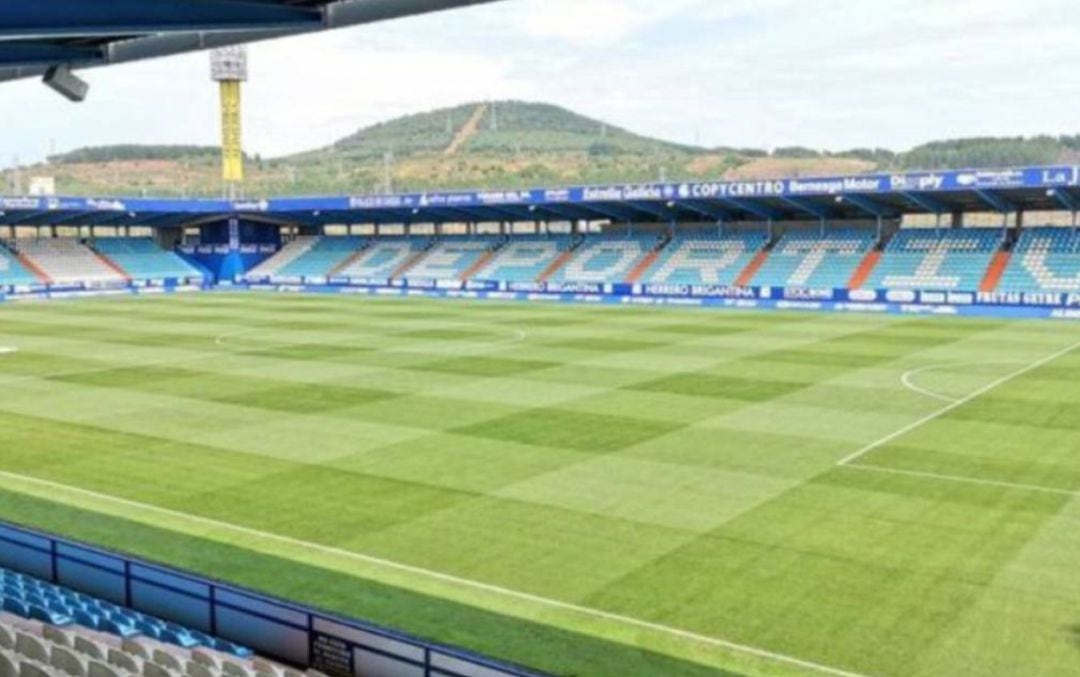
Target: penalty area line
<point>457,581</point>
<point>961,478</point>
<point>933,416</point>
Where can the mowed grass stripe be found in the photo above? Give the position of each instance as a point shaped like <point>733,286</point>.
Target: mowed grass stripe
<point>620,479</point>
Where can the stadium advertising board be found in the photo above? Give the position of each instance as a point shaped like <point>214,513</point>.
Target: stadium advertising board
<point>864,184</point>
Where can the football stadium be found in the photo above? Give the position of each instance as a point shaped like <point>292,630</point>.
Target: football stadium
<point>793,426</point>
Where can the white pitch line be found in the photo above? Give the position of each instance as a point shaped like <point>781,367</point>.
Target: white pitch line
<point>906,380</point>
<point>961,478</point>
<point>446,578</point>
<point>957,404</point>
<point>8,350</point>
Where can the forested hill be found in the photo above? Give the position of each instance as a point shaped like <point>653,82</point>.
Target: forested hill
<point>507,144</point>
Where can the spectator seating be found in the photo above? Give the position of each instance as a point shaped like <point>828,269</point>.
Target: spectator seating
<point>38,649</point>
<point>1044,259</point>
<point>451,258</point>
<point>524,258</point>
<point>810,260</point>
<point>384,258</point>
<point>606,259</point>
<point>66,260</point>
<point>34,600</point>
<point>322,257</point>
<point>141,258</point>
<point>931,259</point>
<point>286,255</point>
<point>12,272</point>
<point>704,260</point>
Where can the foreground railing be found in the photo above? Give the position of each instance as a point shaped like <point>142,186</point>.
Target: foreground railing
<point>277,629</point>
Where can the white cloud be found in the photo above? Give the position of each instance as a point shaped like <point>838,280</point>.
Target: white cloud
<point>832,73</point>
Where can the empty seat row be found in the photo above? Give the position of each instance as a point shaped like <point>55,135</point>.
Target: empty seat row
<point>30,598</point>
<point>1044,260</point>
<point>811,259</point>
<point>141,258</point>
<point>524,258</point>
<point>66,260</point>
<point>930,259</point>
<point>705,259</point>
<point>606,259</point>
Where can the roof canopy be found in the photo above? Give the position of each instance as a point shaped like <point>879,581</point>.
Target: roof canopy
<point>868,196</point>
<point>36,35</point>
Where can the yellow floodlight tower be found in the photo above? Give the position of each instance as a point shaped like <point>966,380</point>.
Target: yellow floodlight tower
<point>228,66</point>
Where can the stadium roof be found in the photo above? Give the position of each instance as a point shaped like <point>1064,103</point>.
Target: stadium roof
<point>38,34</point>
<point>867,196</point>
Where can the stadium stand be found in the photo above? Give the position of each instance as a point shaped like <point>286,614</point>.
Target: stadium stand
<point>1044,259</point>
<point>141,258</point>
<point>56,630</point>
<point>12,272</point>
<point>286,255</point>
<point>385,259</point>
<point>954,259</point>
<point>323,256</point>
<point>452,258</point>
<point>524,258</point>
<point>704,260</point>
<point>810,259</point>
<point>605,259</point>
<point>66,260</point>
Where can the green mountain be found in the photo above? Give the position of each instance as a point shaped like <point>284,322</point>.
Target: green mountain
<point>505,144</point>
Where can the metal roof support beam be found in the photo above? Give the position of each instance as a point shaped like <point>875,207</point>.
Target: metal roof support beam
<point>613,213</point>
<point>1067,199</point>
<point>820,213</point>
<point>508,214</point>
<point>718,215</point>
<point>925,202</point>
<point>995,202</point>
<point>35,218</point>
<point>867,205</point>
<point>561,213</point>
<point>662,214</point>
<point>760,211</point>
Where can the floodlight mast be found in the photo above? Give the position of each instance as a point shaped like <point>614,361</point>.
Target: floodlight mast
<point>229,68</point>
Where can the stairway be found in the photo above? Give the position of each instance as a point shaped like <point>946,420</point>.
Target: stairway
<point>747,276</point>
<point>112,265</point>
<point>643,266</point>
<point>995,271</point>
<point>865,270</point>
<point>404,268</point>
<point>480,264</point>
<point>556,265</point>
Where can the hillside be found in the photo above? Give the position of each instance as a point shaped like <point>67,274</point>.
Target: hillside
<point>500,145</point>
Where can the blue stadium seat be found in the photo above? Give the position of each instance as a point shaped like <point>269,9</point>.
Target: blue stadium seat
<point>12,272</point>
<point>931,259</point>
<point>452,257</point>
<point>323,257</point>
<point>32,599</point>
<point>384,257</point>
<point>807,259</point>
<point>143,259</point>
<point>525,258</point>
<point>703,259</point>
<point>606,259</point>
<point>1044,260</point>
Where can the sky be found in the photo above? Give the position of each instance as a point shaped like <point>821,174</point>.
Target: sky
<point>828,74</point>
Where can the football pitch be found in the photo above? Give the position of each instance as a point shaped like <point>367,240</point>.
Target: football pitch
<point>584,490</point>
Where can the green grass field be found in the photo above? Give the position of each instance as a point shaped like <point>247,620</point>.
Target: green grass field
<point>585,490</point>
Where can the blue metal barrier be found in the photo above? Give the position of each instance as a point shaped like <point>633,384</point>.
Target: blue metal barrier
<point>277,629</point>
